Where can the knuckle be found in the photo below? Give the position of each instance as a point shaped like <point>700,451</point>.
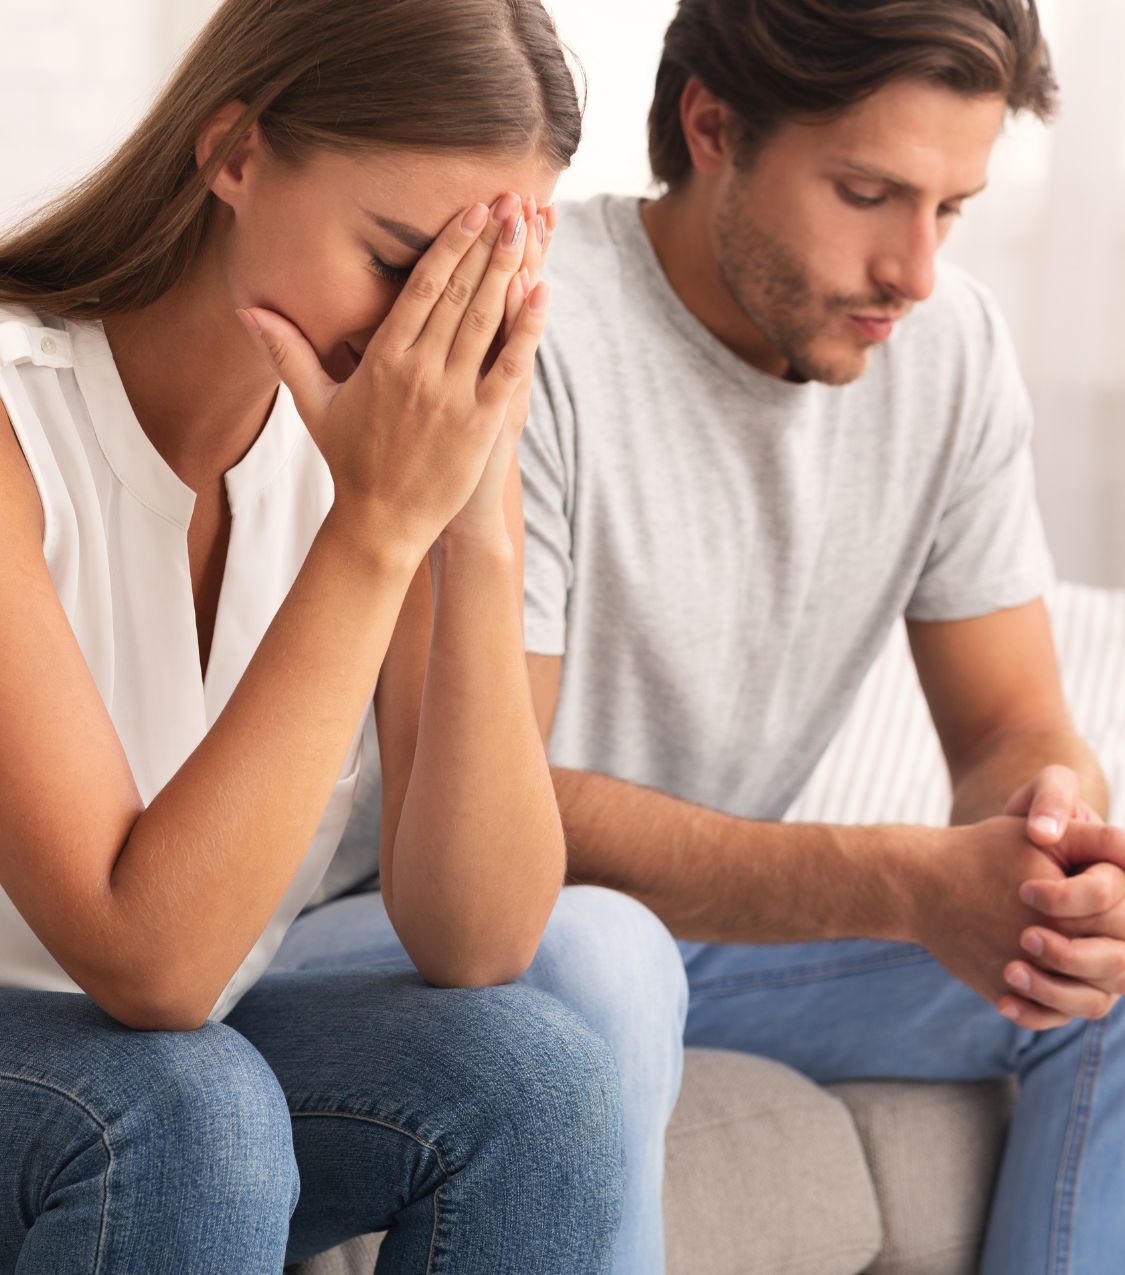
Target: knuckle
<point>459,291</point>
<point>423,286</point>
<point>1101,1006</point>
<point>1100,895</point>
<point>383,353</point>
<point>416,379</point>
<point>511,368</point>
<point>480,321</point>
<point>1106,840</point>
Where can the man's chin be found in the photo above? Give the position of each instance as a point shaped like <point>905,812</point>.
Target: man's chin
<point>835,367</point>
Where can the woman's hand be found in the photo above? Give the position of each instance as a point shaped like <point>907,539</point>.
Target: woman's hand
<point>408,435</point>
<point>484,514</point>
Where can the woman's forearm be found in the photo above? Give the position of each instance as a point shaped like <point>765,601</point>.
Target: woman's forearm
<point>208,862</point>
<point>478,851</point>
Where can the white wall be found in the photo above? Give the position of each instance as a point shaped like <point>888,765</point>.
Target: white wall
<point>1049,236</point>
<point>618,44</point>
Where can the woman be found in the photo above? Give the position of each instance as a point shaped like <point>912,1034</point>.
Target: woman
<point>203,584</point>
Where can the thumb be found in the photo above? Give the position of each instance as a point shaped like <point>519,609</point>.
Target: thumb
<point>1055,797</point>
<point>293,359</point>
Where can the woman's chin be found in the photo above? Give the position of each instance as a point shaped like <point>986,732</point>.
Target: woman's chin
<point>341,363</point>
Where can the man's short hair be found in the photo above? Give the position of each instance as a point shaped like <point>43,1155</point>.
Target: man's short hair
<point>778,60</point>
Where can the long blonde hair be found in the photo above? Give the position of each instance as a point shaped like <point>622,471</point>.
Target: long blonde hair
<point>439,75</point>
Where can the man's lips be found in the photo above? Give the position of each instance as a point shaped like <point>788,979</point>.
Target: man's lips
<point>877,328</point>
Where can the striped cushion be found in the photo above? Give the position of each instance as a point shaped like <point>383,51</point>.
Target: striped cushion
<point>885,764</point>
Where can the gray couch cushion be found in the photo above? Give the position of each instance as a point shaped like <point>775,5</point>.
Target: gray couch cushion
<point>765,1175</point>
<point>933,1151</point>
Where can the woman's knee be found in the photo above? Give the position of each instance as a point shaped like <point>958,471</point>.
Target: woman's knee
<point>553,1106</point>
<point>206,1105</point>
<point>120,1143</point>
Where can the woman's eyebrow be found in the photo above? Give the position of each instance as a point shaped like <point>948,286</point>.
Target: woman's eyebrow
<point>411,236</point>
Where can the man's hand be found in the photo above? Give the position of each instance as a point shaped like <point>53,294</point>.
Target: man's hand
<point>968,911</point>
<point>1050,802</point>
<point>1076,952</point>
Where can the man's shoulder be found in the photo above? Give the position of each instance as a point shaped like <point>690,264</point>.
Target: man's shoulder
<point>589,227</point>
<point>593,254</point>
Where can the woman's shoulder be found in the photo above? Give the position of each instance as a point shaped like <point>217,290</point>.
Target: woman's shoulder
<point>27,336</point>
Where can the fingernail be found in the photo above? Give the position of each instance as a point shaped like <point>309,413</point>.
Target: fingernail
<point>249,322</point>
<point>525,281</point>
<point>1018,978</point>
<point>474,219</point>
<point>504,207</point>
<point>1029,897</point>
<point>517,231</point>
<point>539,298</point>
<point>1046,825</point>
<point>540,229</point>
<point>1032,943</point>
<point>1010,1011</point>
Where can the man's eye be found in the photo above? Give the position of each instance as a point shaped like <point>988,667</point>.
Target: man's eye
<point>392,274</point>
<point>857,200</point>
<point>950,210</point>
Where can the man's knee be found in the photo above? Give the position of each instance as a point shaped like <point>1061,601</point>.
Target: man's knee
<point>612,957</point>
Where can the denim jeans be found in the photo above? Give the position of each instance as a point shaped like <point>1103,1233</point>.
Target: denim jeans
<point>607,958</point>
<point>481,1126</point>
<point>859,1009</point>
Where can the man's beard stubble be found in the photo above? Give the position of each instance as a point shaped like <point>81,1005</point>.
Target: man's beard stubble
<point>769,285</point>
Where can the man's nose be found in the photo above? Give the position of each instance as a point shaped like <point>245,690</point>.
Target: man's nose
<point>907,268</point>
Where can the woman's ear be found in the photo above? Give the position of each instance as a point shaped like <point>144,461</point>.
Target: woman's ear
<point>706,123</point>
<point>228,182</point>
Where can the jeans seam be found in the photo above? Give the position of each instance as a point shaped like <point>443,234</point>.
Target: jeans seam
<point>809,973</point>
<point>101,1127</point>
<point>1073,1147</point>
<point>434,1233</point>
<point>406,1133</point>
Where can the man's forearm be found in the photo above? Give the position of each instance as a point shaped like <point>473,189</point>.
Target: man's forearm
<point>985,783</point>
<point>716,878</point>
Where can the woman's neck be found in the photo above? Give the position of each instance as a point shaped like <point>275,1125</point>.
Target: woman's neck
<point>200,390</point>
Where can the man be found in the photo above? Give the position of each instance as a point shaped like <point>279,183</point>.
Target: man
<point>765,428</point>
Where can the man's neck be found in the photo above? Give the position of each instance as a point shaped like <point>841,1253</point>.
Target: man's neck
<point>678,226</point>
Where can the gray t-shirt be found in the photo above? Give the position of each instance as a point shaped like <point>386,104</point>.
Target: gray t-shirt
<point>720,554</point>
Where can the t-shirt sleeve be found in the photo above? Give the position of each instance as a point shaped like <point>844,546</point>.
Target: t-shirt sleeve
<point>546,452</point>
<point>989,551</point>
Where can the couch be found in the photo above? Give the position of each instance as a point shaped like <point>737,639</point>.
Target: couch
<point>770,1174</point>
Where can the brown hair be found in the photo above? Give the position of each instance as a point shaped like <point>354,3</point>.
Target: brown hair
<point>438,75</point>
<point>777,60</point>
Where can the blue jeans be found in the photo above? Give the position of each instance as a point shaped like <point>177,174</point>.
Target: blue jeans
<point>860,1009</point>
<point>604,956</point>
<point>481,1126</point>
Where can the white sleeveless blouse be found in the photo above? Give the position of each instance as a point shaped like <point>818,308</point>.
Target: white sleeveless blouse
<point>115,540</point>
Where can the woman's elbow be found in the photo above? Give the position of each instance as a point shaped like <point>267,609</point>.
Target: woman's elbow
<point>152,1005</point>
<point>476,970</point>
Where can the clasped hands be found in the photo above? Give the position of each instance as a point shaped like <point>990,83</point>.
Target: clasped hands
<point>1075,952</point>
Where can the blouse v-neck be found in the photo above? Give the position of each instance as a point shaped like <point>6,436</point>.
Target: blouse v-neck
<point>144,472</point>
